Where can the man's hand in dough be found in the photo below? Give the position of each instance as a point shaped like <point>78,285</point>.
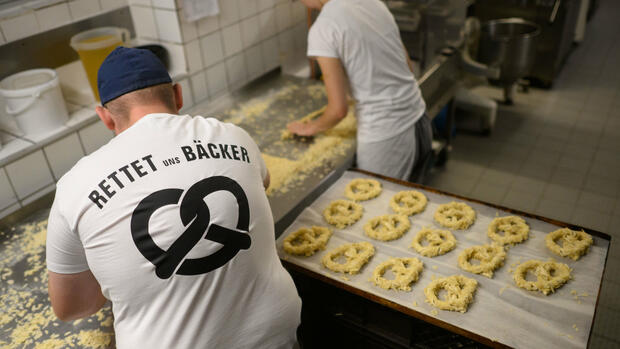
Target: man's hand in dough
<point>301,128</point>
<point>336,86</point>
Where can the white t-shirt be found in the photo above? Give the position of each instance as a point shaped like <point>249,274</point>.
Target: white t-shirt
<point>172,219</point>
<point>364,36</point>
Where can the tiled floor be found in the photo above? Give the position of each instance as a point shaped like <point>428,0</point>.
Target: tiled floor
<point>556,153</point>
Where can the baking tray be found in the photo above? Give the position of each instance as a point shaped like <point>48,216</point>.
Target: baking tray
<point>502,315</point>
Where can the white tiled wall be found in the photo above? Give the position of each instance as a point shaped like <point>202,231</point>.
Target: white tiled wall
<point>198,83</point>
<point>254,62</point>
<point>33,175</point>
<point>94,136</point>
<point>250,35</point>
<point>29,174</point>
<point>7,194</point>
<point>19,27</point>
<point>53,16</point>
<point>216,79</point>
<point>283,16</point>
<point>189,30</point>
<point>269,51</point>
<point>232,40</point>
<point>63,154</point>
<point>81,9</point>
<point>212,49</point>
<point>229,12</point>
<point>248,8</point>
<point>267,24</point>
<point>236,71</point>
<point>107,5</point>
<point>168,25</point>
<point>144,22</point>
<point>265,4</point>
<point>193,55</point>
<point>247,39</point>
<point>207,25</point>
<point>140,2</point>
<point>166,4</point>
<point>38,194</point>
<point>21,21</point>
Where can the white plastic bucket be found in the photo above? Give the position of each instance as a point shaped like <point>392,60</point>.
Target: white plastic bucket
<point>34,98</point>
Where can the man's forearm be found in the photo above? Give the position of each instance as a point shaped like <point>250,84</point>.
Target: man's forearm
<point>74,296</point>
<point>325,122</point>
<point>88,307</point>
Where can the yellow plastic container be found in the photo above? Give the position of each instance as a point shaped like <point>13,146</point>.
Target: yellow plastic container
<point>93,46</point>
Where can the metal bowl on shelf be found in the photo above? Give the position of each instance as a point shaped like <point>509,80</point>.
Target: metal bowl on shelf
<point>510,45</point>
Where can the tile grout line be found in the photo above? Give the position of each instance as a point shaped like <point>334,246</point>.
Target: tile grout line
<point>8,178</point>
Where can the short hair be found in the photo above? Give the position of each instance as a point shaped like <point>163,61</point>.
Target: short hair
<point>157,94</point>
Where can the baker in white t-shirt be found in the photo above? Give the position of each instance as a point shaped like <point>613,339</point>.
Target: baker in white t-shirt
<point>358,47</point>
<point>170,222</point>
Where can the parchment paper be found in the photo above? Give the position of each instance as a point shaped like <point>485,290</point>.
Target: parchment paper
<point>516,317</point>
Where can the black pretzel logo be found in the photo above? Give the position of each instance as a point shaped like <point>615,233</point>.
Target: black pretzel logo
<point>195,213</point>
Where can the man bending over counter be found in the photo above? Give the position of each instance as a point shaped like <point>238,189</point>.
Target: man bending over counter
<point>358,47</point>
<point>170,222</point>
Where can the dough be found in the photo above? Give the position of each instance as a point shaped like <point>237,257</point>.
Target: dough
<point>342,213</point>
<point>459,292</point>
<point>408,202</point>
<point>305,242</point>
<point>387,227</point>
<point>549,275</point>
<point>356,255</point>
<point>574,243</point>
<point>490,257</point>
<point>361,189</point>
<point>514,228</point>
<point>439,242</point>
<point>406,271</point>
<point>455,215</point>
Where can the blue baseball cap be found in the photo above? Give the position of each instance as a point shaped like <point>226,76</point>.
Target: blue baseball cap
<point>129,69</point>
